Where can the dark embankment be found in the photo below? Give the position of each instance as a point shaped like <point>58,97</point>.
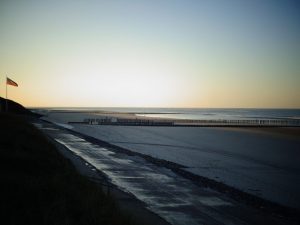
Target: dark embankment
<point>39,186</point>
<point>15,108</point>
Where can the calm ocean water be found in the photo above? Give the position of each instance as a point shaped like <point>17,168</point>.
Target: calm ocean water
<point>193,114</point>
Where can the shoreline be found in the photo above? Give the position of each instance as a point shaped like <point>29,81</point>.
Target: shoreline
<point>128,118</point>
<point>126,201</point>
<point>106,117</point>
<point>249,199</point>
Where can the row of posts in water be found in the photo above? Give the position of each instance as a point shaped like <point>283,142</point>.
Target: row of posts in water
<point>166,122</point>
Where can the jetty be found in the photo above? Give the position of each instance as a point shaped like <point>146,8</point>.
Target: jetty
<point>190,123</point>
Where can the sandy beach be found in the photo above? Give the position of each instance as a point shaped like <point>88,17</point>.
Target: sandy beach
<point>284,132</point>
<point>260,161</point>
<point>149,182</point>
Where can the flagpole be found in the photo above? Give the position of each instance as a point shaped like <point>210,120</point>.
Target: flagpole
<point>6,95</point>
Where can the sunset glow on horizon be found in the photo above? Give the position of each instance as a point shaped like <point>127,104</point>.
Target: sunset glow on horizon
<point>240,54</point>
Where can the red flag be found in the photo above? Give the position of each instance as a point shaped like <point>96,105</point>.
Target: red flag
<point>11,82</point>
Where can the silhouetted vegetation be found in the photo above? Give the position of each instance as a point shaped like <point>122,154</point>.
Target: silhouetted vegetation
<point>39,186</point>
<point>15,108</point>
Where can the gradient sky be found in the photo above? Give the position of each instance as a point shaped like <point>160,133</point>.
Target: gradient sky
<point>158,53</point>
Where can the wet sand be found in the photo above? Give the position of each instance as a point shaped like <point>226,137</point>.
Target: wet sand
<point>135,208</point>
<point>262,161</point>
<point>285,132</point>
<point>173,197</point>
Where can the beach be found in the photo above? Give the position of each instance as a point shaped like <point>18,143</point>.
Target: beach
<point>255,163</point>
<point>169,194</point>
<point>262,161</point>
<point>182,174</point>
<point>256,166</point>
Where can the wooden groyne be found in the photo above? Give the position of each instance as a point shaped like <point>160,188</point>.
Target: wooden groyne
<point>191,123</point>
<point>257,122</point>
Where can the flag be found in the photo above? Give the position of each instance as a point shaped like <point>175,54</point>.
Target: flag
<point>11,82</point>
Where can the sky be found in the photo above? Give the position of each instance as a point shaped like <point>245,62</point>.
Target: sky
<point>158,53</point>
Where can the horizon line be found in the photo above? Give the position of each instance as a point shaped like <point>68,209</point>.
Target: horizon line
<point>151,107</point>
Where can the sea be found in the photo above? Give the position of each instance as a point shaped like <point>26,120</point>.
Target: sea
<point>188,113</point>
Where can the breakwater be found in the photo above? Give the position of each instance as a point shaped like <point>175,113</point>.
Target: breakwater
<point>192,123</point>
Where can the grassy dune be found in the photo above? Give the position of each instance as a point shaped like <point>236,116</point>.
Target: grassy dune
<point>39,186</point>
